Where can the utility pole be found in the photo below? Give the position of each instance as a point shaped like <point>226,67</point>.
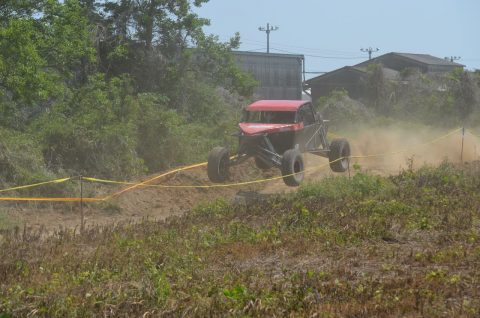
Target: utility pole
<point>268,29</point>
<point>369,51</point>
<point>452,58</point>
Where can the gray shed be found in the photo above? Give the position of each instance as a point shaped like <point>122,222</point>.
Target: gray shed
<point>279,75</point>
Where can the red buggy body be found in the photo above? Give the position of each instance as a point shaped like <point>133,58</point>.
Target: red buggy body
<point>277,133</point>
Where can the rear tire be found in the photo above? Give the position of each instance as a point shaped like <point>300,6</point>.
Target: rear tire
<point>218,164</point>
<point>262,164</point>
<point>339,148</point>
<point>292,168</point>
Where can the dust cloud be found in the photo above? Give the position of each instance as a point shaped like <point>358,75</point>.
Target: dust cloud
<point>390,149</point>
<point>403,146</point>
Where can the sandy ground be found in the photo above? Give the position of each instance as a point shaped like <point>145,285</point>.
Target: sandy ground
<point>158,203</point>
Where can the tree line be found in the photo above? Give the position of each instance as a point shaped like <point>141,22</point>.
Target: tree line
<point>111,88</point>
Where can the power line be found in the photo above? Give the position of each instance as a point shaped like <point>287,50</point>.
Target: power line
<point>302,47</point>
<point>323,56</point>
<point>277,44</point>
<point>283,45</point>
<point>320,51</point>
<point>255,50</point>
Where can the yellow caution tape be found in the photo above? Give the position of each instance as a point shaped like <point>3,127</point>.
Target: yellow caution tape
<point>51,199</point>
<point>90,199</point>
<point>223,185</point>
<point>111,181</point>
<point>146,182</point>
<point>153,179</point>
<point>35,184</point>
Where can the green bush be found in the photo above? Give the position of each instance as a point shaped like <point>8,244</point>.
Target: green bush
<point>342,111</point>
<point>93,131</point>
<point>20,159</point>
<point>158,140</point>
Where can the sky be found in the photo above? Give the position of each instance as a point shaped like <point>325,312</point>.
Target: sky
<point>332,33</point>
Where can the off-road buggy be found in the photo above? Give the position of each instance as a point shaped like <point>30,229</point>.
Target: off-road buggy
<point>276,133</point>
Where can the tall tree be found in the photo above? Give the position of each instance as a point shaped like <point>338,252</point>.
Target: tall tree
<point>148,39</point>
<point>69,44</point>
<point>19,9</point>
<point>23,73</point>
<point>44,45</point>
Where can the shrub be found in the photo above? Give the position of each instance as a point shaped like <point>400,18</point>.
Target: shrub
<point>20,159</point>
<point>93,131</point>
<point>342,111</point>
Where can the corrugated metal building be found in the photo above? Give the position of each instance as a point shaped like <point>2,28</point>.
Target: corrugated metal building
<point>279,75</point>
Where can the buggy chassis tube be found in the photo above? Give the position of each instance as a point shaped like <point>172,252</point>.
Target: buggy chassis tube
<point>266,154</point>
<point>320,152</point>
<point>322,132</point>
<point>238,159</point>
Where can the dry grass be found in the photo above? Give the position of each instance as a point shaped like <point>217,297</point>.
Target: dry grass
<point>407,245</point>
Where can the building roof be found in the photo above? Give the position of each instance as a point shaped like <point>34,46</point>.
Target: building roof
<point>264,54</point>
<point>276,105</point>
<point>426,59</point>
<point>388,73</point>
<point>337,71</point>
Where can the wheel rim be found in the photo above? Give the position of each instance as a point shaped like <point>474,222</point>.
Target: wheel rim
<point>346,158</point>
<point>222,167</point>
<point>297,169</point>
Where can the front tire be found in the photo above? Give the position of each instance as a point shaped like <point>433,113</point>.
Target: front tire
<point>218,164</point>
<point>292,168</point>
<point>339,155</point>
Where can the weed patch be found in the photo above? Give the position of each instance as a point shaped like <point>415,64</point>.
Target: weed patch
<point>406,245</point>
<point>7,222</point>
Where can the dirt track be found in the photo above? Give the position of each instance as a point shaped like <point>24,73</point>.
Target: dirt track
<point>158,203</point>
